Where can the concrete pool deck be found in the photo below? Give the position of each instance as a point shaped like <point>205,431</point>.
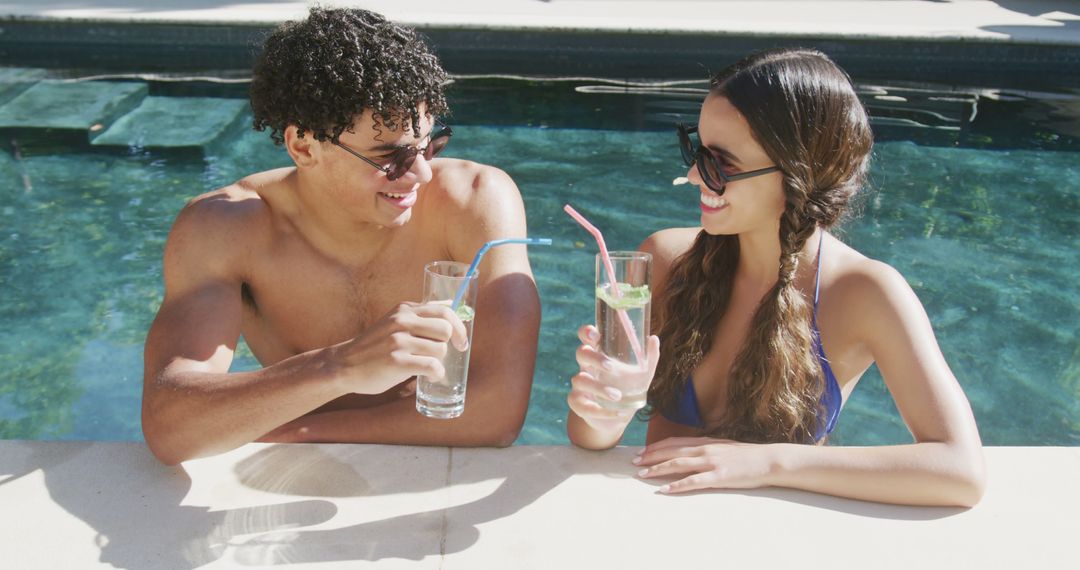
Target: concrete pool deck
<point>94,504</point>
<point>99,504</point>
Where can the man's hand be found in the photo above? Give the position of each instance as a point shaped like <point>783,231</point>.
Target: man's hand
<point>408,341</point>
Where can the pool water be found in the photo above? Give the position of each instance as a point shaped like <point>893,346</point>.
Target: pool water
<point>975,199</point>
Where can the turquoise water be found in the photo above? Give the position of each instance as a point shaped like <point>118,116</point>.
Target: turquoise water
<point>984,228</point>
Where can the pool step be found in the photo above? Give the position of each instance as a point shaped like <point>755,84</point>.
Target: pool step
<point>174,122</point>
<point>85,106</point>
<point>15,80</point>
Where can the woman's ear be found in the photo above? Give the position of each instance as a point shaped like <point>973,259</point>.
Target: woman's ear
<point>302,149</point>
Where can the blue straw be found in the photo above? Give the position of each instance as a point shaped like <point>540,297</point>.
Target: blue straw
<point>480,254</point>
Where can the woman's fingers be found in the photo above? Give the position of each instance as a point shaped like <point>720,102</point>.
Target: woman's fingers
<point>694,482</point>
<point>652,352</point>
<point>671,448</point>
<point>591,360</point>
<point>584,400</point>
<point>588,385</point>
<point>675,466</point>
<point>589,335</point>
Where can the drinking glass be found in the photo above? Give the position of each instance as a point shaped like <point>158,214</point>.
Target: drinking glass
<point>444,398</point>
<point>622,317</point>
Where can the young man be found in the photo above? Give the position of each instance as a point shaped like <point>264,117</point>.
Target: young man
<point>316,265</point>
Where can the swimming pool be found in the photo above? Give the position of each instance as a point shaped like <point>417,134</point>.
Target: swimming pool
<point>976,199</point>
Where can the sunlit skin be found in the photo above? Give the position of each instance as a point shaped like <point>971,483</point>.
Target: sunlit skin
<point>867,314</point>
<point>319,267</point>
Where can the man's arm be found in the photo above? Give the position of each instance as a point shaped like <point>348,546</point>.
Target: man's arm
<point>192,407</point>
<point>504,340</point>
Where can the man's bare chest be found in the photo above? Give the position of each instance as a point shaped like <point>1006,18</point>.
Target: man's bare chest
<point>299,305</point>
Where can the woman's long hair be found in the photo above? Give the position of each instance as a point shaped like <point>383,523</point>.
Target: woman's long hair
<point>803,111</point>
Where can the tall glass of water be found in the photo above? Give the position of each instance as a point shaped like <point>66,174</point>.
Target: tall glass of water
<point>444,398</point>
<point>622,316</point>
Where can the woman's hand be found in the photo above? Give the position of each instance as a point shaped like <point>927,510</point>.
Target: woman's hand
<point>595,390</point>
<point>707,463</point>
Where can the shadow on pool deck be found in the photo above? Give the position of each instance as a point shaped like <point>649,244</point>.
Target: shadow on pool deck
<point>149,515</point>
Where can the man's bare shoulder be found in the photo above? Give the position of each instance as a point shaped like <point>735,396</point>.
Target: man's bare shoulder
<point>227,222</point>
<point>473,203</point>
<point>470,185</point>
<point>232,210</point>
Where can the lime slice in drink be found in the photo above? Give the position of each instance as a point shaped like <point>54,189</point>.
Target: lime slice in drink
<point>632,297</point>
<point>465,313</point>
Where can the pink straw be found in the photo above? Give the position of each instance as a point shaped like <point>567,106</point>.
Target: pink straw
<point>627,326</point>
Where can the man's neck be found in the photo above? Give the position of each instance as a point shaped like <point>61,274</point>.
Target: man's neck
<point>330,230</point>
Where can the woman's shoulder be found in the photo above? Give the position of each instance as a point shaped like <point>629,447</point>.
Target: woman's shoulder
<point>868,286</point>
<point>666,246</point>
<point>670,243</point>
<point>852,268</point>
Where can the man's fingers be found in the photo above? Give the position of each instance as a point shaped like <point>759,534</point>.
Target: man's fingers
<point>429,325</point>
<point>406,343</point>
<point>407,389</point>
<point>415,365</point>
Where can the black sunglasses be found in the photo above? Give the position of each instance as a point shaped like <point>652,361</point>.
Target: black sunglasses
<point>402,158</point>
<point>709,167</point>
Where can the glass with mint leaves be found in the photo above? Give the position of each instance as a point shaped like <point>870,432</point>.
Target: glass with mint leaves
<point>627,299</point>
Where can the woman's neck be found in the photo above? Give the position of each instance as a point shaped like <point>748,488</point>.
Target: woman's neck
<point>759,256</point>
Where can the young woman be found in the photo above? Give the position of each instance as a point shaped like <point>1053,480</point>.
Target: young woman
<point>766,321</point>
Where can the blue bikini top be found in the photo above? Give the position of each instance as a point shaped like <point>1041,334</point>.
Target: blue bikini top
<point>688,413</point>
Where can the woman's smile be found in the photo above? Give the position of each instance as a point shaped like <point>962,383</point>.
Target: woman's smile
<point>711,203</point>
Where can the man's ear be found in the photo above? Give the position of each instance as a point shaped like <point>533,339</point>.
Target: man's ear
<point>302,149</point>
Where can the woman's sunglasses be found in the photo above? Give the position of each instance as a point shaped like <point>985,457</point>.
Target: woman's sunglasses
<point>709,167</point>
<point>402,158</point>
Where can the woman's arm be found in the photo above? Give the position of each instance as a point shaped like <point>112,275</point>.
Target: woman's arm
<point>588,424</point>
<point>943,467</point>
<point>924,473</point>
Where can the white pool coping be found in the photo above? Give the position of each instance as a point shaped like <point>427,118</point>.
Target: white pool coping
<point>1054,22</point>
<point>89,505</point>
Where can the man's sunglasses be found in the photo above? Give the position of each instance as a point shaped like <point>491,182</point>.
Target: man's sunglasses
<point>402,158</point>
<point>709,167</point>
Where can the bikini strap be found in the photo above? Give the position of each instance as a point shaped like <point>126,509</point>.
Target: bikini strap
<point>817,274</point>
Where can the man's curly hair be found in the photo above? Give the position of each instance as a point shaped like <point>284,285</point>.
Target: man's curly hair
<point>321,73</point>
